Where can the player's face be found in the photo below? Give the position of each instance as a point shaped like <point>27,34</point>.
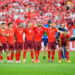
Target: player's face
<point>3,26</point>
<point>65,33</point>
<point>10,26</point>
<point>62,26</point>
<point>40,24</point>
<point>52,25</point>
<point>20,25</point>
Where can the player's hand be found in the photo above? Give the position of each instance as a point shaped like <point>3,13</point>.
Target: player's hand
<point>67,47</point>
<point>0,44</point>
<point>7,35</point>
<point>60,48</point>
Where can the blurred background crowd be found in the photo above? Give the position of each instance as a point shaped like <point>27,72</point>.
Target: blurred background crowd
<point>59,11</point>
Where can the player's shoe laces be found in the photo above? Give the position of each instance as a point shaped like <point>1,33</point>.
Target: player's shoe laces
<point>68,61</point>
<point>59,61</point>
<point>44,57</point>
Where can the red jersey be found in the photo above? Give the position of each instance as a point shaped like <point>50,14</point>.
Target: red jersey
<point>3,39</point>
<point>63,38</point>
<point>11,38</point>
<point>51,34</point>
<point>29,33</point>
<point>19,35</point>
<point>38,33</point>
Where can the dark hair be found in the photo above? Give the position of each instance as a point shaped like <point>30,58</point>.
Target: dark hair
<point>50,22</point>
<point>65,30</point>
<point>10,23</point>
<point>19,23</point>
<point>2,23</point>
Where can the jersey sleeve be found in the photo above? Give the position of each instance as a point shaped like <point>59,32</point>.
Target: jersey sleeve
<point>55,30</point>
<point>68,36</point>
<point>60,36</point>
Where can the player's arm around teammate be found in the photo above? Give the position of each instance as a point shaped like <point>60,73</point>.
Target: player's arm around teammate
<point>4,44</point>
<point>11,40</point>
<point>38,33</point>
<point>51,31</point>
<point>19,42</point>
<point>28,41</point>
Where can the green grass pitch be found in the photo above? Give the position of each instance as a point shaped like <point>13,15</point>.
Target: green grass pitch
<point>42,68</point>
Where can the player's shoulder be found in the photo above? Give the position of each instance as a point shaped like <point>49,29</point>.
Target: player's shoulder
<point>68,35</point>
<point>61,35</point>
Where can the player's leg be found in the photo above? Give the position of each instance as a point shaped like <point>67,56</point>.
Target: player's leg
<point>37,50</point>
<point>19,55</point>
<point>24,56</point>
<point>16,55</point>
<point>64,52</point>
<point>45,45</point>
<point>8,55</point>
<point>59,54</point>
<point>12,56</point>
<point>49,51</point>
<point>24,53</point>
<point>53,47</point>
<point>12,48</point>
<point>20,47</point>
<point>5,47</point>
<point>31,46</point>
<point>1,56</point>
<point>53,55</point>
<point>32,55</point>
<point>17,52</point>
<point>67,54</point>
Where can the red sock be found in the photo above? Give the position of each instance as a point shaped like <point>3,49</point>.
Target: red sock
<point>24,55</point>
<point>32,55</point>
<point>49,55</point>
<point>67,56</point>
<point>53,55</point>
<point>19,55</point>
<point>59,54</point>
<point>8,58</point>
<point>36,54</point>
<point>16,56</point>
<point>12,56</point>
<point>1,57</point>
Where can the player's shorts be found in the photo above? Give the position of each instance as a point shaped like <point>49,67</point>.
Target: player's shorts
<point>63,45</point>
<point>1,48</point>
<point>45,41</point>
<point>19,46</point>
<point>4,46</point>
<point>11,46</point>
<point>52,45</point>
<point>28,44</point>
<point>37,45</point>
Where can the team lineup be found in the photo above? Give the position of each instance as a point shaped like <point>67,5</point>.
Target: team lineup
<point>11,39</point>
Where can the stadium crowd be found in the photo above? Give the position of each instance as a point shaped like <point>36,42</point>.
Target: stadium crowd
<point>59,11</point>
